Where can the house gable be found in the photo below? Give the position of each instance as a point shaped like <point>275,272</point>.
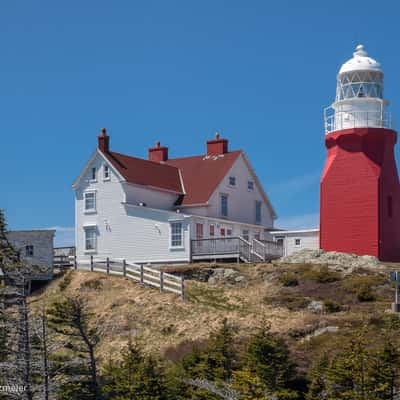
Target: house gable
<point>241,200</point>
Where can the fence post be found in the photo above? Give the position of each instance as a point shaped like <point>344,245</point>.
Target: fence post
<point>124,267</point>
<point>141,274</point>
<point>91,263</point>
<point>108,266</point>
<point>182,289</point>
<point>75,263</point>
<point>161,281</point>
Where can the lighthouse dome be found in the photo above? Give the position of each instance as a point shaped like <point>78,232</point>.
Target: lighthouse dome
<point>360,62</point>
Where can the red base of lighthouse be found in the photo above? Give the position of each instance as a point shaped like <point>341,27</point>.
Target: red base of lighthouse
<point>360,194</point>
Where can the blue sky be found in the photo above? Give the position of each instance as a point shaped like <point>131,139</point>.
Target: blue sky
<point>260,72</point>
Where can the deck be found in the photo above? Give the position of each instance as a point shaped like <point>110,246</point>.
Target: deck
<point>235,248</point>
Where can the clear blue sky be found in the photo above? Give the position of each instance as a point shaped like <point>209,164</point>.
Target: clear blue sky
<point>261,72</point>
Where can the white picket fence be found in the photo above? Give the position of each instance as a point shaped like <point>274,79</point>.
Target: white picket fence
<point>140,273</point>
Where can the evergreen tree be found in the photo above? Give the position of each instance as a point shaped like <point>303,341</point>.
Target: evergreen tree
<point>317,378</point>
<point>78,371</point>
<point>349,374</point>
<point>136,376</point>
<point>385,371</point>
<point>268,358</point>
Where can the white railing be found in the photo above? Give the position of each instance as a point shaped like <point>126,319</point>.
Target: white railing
<point>139,273</point>
<point>357,119</point>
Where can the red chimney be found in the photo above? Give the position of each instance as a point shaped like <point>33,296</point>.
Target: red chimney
<point>104,141</point>
<point>217,146</point>
<point>158,153</point>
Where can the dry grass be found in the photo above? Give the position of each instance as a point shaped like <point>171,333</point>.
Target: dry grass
<point>123,308</point>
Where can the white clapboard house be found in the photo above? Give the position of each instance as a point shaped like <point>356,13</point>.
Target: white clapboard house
<point>163,210</point>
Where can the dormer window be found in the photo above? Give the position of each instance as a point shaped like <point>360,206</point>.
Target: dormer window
<point>106,172</point>
<point>232,181</point>
<point>93,174</point>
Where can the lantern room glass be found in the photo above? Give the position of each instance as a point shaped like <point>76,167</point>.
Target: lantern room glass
<point>359,84</point>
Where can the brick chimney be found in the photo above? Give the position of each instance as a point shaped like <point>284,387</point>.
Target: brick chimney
<point>217,146</point>
<point>104,141</point>
<point>158,153</point>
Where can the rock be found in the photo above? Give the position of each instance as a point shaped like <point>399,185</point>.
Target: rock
<point>321,331</point>
<point>316,306</point>
<point>239,278</point>
<point>342,262</point>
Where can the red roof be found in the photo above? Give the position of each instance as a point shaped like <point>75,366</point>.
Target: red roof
<point>200,174</point>
<point>145,172</point>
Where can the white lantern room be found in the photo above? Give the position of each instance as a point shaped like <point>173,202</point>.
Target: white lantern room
<point>359,96</point>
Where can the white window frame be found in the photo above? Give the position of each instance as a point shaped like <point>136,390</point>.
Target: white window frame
<point>258,220</point>
<point>90,210</point>
<point>250,186</point>
<point>85,239</point>
<point>172,244</point>
<point>106,172</point>
<point>295,242</point>
<point>232,181</point>
<point>222,196</point>
<point>93,172</point>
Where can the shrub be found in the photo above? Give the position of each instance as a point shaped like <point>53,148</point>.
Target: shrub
<point>287,279</point>
<point>321,275</point>
<point>95,283</point>
<point>66,281</point>
<point>365,293</point>
<point>331,307</point>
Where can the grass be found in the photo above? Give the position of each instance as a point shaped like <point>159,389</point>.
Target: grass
<point>279,294</point>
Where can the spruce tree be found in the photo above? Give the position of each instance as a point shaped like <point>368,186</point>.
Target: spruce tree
<point>268,357</point>
<point>136,376</point>
<point>317,377</point>
<point>77,370</point>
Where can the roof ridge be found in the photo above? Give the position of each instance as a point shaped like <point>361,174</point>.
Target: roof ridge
<point>204,155</point>
<point>142,159</point>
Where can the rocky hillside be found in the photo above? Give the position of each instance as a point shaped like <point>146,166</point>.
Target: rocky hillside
<point>313,305</point>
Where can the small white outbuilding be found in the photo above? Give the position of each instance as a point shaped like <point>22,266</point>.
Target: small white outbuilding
<point>297,240</point>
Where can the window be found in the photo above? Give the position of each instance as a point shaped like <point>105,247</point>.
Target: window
<point>250,185</point>
<point>229,232</point>
<point>297,242</point>
<point>390,206</point>
<point>245,234</point>
<point>93,176</point>
<point>106,171</point>
<point>90,238</point>
<point>224,205</point>
<point>212,230</point>
<point>232,181</point>
<point>29,251</point>
<point>176,234</point>
<point>258,212</point>
<point>199,231</point>
<point>90,201</point>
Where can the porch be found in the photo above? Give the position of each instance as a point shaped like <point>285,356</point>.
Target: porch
<point>235,248</point>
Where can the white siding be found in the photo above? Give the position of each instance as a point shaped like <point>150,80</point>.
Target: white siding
<point>136,194</point>
<point>241,201</point>
<point>138,234</point>
<point>308,240</point>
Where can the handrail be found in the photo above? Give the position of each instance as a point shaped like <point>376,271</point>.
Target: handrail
<point>357,119</point>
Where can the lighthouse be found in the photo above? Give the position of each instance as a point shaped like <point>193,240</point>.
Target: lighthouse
<point>360,191</point>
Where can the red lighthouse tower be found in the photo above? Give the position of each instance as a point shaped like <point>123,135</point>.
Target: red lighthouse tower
<point>360,190</point>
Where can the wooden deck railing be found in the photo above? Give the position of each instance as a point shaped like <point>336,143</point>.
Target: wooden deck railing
<point>236,247</point>
<point>139,273</point>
